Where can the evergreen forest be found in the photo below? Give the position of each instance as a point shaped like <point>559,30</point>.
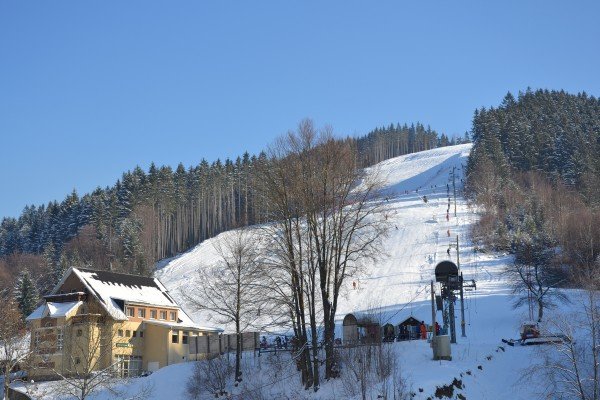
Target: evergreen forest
<point>535,171</point>
<point>150,215</point>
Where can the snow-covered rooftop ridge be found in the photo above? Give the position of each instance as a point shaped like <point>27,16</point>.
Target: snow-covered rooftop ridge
<point>111,287</point>
<point>54,310</point>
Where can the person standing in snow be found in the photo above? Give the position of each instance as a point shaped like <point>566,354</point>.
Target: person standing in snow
<point>437,329</point>
<point>423,330</point>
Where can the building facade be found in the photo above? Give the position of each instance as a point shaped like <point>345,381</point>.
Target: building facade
<point>106,321</point>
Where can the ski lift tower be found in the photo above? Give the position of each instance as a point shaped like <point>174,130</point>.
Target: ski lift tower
<point>446,273</point>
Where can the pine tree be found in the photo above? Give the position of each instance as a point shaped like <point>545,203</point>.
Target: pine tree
<point>25,294</point>
<point>59,268</point>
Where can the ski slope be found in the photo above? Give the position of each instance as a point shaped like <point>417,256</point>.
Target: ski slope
<point>395,287</point>
<point>417,241</point>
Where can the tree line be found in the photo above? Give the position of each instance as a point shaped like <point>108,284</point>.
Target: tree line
<point>535,169</point>
<point>150,215</point>
<point>395,140</point>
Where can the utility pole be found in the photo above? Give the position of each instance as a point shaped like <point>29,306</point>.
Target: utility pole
<point>432,312</point>
<point>457,254</point>
<point>462,300</point>
<point>452,318</point>
<point>462,308</point>
<point>454,187</point>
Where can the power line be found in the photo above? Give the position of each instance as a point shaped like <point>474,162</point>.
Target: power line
<point>406,305</point>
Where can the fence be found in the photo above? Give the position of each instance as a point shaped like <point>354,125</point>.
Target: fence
<point>203,347</point>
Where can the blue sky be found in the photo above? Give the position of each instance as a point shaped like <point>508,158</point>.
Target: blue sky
<point>91,89</point>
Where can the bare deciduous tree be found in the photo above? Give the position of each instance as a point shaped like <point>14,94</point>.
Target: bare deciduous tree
<point>209,376</point>
<point>232,289</point>
<point>573,366</point>
<point>329,219</point>
<point>13,349</point>
<point>534,277</point>
<point>88,365</point>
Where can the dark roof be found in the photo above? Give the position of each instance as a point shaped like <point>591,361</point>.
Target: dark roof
<point>444,270</point>
<point>410,321</point>
<point>358,319</point>
<point>122,279</point>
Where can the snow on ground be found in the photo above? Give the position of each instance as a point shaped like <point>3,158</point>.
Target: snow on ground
<point>398,286</point>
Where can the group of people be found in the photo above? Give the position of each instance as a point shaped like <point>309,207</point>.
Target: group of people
<point>423,330</point>
<point>278,343</point>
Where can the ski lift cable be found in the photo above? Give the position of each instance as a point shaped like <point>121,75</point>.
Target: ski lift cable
<point>424,288</point>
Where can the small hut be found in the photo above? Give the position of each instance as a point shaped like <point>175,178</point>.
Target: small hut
<point>409,329</point>
<point>360,329</point>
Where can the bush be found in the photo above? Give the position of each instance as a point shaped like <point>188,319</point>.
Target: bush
<point>210,376</point>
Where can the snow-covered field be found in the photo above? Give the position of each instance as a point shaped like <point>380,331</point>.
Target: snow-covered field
<point>398,285</point>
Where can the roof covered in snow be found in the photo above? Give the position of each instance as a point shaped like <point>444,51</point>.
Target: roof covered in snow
<point>113,290</point>
<point>54,310</point>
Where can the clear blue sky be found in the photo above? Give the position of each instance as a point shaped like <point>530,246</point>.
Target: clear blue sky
<point>91,89</point>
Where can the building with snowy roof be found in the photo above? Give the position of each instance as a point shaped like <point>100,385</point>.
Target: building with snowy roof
<point>101,320</point>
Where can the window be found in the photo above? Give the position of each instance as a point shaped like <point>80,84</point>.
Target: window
<point>172,315</point>
<point>184,338</point>
<point>163,315</point>
<point>59,339</point>
<point>152,314</point>
<point>127,333</point>
<point>37,339</point>
<point>79,332</point>
<point>134,334</point>
<point>142,312</point>
<point>127,366</point>
<point>120,333</point>
<point>77,360</point>
<point>175,337</point>
<point>141,333</point>
<point>130,312</point>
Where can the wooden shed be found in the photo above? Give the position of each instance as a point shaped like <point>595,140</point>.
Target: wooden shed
<point>409,329</point>
<point>360,329</point>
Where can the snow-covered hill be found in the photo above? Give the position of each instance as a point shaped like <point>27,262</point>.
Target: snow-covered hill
<point>397,285</point>
<point>417,241</point>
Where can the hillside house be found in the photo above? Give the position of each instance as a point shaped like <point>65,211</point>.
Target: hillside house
<point>108,321</point>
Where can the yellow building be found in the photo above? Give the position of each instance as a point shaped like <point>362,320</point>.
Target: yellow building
<point>107,321</point>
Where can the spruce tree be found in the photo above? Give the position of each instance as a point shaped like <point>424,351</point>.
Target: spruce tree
<point>26,294</point>
<point>59,268</point>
